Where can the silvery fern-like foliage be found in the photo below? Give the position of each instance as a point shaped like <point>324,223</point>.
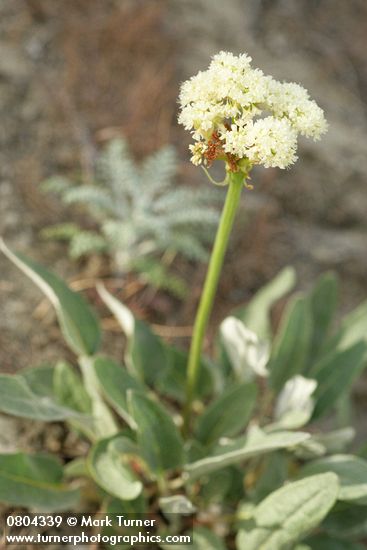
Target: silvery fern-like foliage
<point>140,211</point>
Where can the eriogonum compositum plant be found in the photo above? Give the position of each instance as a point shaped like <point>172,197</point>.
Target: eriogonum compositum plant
<point>240,116</point>
<point>227,452</point>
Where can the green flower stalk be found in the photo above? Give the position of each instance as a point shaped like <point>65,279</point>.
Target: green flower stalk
<point>238,115</point>
<point>235,186</point>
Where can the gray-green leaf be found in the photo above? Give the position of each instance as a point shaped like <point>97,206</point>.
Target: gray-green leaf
<point>351,471</point>
<point>158,437</point>
<point>289,513</point>
<point>109,469</point>
<point>69,388</point>
<point>227,415</point>
<point>78,323</point>
<point>353,329</point>
<point>323,302</point>
<point>244,448</point>
<point>40,379</point>
<point>17,398</point>
<point>335,373</point>
<point>292,343</point>
<point>34,482</point>
<point>115,381</point>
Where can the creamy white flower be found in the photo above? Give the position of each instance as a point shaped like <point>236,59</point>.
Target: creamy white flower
<point>235,140</point>
<point>228,102</point>
<point>197,150</point>
<point>290,100</point>
<point>228,59</point>
<point>271,142</point>
<point>267,141</point>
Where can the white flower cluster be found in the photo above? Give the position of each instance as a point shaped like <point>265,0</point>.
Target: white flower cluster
<point>236,112</point>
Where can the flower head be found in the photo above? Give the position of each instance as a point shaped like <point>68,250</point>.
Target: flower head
<point>236,113</point>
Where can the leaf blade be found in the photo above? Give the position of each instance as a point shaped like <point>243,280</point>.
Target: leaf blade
<point>17,398</point>
<point>292,344</point>
<point>34,481</point>
<point>77,321</point>
<point>108,470</point>
<point>351,471</point>
<point>245,449</point>
<point>227,415</point>
<point>289,513</point>
<point>115,381</point>
<point>158,437</point>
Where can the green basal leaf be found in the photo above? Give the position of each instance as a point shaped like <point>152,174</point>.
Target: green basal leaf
<point>76,468</point>
<point>123,507</point>
<point>115,381</point>
<point>289,513</point>
<point>292,343</point>
<point>309,450</point>
<point>320,444</point>
<point>227,415</point>
<point>353,329</point>
<point>256,315</point>
<point>77,322</point>
<point>34,482</point>
<point>69,388</point>
<point>109,467</point>
<point>273,475</point>
<point>40,379</point>
<point>145,356</point>
<point>18,399</point>
<point>347,521</point>
<point>351,471</point>
<point>104,423</point>
<point>335,374</point>
<point>336,441</point>
<point>243,448</point>
<point>323,302</point>
<point>159,440</point>
<point>218,487</point>
<point>146,353</point>
<point>70,392</point>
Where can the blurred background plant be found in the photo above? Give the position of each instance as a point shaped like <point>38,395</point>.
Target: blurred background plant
<point>144,219</point>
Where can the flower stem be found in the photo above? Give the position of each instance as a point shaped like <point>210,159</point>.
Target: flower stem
<point>236,181</point>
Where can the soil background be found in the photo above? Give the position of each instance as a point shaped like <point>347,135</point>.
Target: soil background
<point>74,73</point>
